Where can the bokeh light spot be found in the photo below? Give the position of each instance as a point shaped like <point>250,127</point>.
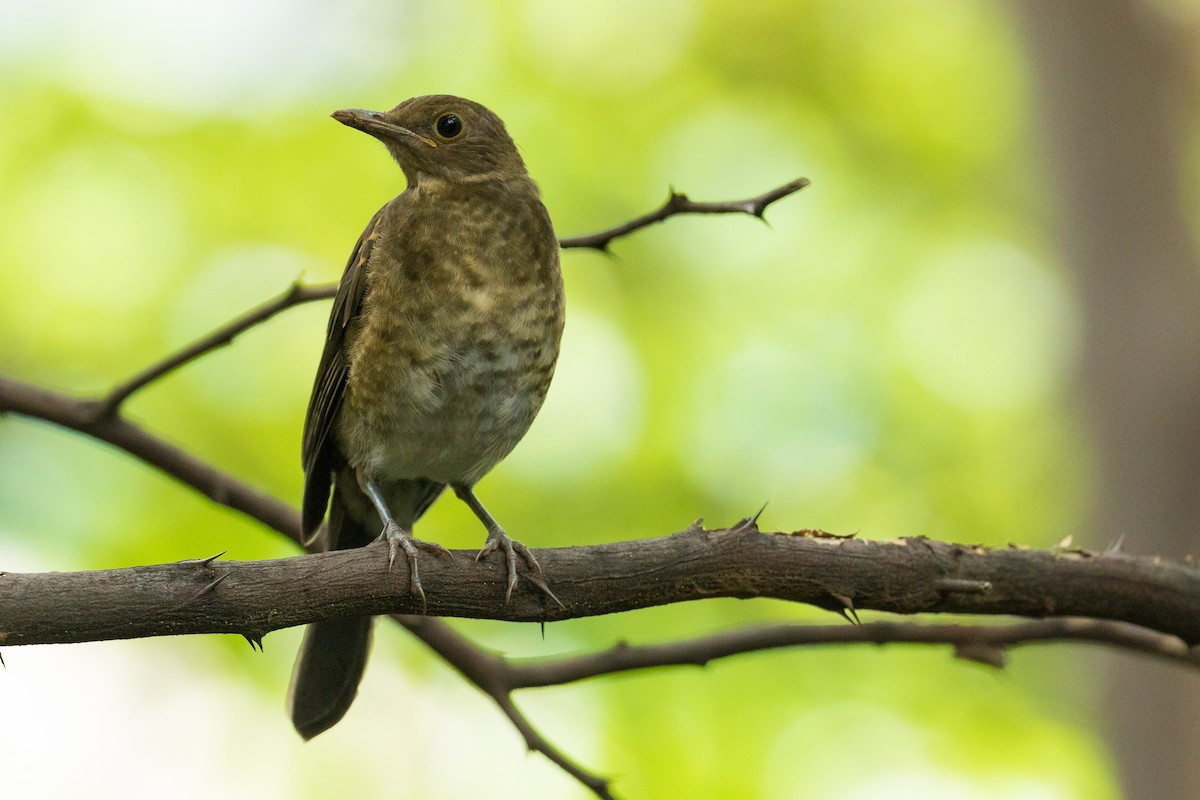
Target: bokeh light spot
<point>593,412</point>
<point>985,325</point>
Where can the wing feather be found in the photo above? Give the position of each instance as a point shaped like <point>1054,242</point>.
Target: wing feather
<point>319,453</point>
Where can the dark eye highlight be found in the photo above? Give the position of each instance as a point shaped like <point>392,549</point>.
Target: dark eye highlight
<point>448,126</point>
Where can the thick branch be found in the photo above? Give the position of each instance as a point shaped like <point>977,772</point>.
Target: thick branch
<point>905,576</point>
<point>81,416</point>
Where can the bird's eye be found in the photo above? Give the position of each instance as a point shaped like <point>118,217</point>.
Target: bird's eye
<point>448,126</point>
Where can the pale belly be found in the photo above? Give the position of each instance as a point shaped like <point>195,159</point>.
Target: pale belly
<point>449,421</point>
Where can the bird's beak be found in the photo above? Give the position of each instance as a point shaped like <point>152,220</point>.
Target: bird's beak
<point>374,123</point>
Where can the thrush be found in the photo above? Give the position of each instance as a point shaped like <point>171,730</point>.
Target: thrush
<point>440,347</point>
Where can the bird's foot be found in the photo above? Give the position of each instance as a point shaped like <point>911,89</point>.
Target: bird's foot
<point>499,540</point>
<point>400,539</point>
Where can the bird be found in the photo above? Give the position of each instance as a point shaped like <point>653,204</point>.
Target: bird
<point>440,348</point>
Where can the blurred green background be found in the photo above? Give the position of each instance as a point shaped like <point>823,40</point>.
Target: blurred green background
<point>893,355</point>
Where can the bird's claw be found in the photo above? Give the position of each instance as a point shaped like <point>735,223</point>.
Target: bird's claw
<point>400,539</point>
<point>499,540</point>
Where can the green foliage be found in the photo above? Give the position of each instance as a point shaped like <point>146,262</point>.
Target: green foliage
<point>888,357</point>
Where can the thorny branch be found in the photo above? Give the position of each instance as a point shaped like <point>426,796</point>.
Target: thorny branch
<point>903,576</point>
<point>678,203</point>
<point>499,677</point>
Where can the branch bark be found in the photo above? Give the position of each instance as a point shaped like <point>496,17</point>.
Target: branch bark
<point>905,576</point>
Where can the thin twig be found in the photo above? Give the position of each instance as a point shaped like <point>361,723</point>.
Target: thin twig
<point>678,203</point>
<point>538,744</point>
<point>703,650</point>
<point>296,294</point>
<point>494,676</point>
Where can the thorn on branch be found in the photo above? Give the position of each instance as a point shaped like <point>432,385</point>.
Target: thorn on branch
<point>255,640</point>
<point>748,524</point>
<point>206,589</point>
<point>545,589</point>
<point>846,608</point>
<point>757,514</point>
<point>680,203</point>
<point>203,562</point>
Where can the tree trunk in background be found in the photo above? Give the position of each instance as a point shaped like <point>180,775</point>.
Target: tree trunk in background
<point>1116,104</point>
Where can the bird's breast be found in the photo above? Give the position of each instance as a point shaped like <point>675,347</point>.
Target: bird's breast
<point>445,377</point>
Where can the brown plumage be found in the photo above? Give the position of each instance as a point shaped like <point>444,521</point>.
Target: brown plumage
<point>440,348</point>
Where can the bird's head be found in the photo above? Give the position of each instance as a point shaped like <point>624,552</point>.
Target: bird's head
<point>441,137</point>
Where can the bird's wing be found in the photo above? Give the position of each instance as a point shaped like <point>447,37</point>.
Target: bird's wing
<point>318,451</point>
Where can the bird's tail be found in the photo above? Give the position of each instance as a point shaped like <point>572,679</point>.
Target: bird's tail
<point>334,652</point>
<point>328,669</point>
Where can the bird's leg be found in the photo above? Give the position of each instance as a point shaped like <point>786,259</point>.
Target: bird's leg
<point>399,538</point>
<point>497,539</point>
